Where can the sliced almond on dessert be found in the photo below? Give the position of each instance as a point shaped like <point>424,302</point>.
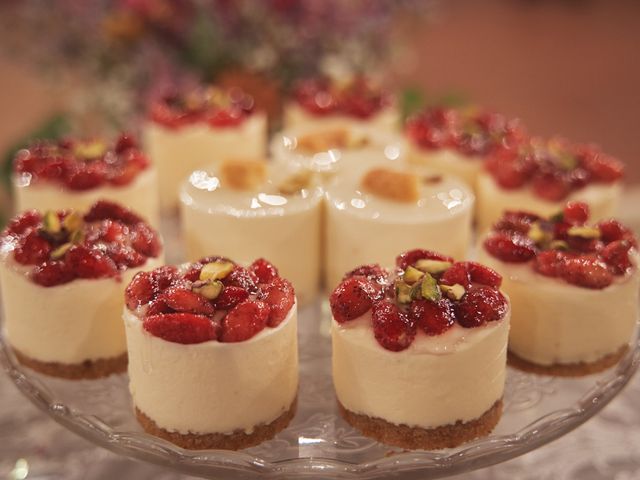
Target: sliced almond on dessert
<point>243,173</point>
<point>296,182</point>
<point>392,184</point>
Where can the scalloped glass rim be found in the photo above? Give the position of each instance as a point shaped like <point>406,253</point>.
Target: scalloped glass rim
<point>415,464</point>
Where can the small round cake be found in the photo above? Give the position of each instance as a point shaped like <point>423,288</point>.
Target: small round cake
<point>327,103</point>
<point>540,176</point>
<point>456,142</point>
<point>191,129</point>
<point>573,287</point>
<point>419,354</point>
<point>213,353</point>
<point>245,208</point>
<point>374,211</point>
<point>75,173</point>
<point>62,276</point>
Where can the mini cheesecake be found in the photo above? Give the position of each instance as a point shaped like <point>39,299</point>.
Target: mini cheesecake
<point>75,173</point>
<point>188,130</point>
<point>374,211</point>
<point>419,354</point>
<point>62,276</point>
<point>326,103</point>
<point>457,142</point>
<point>247,208</point>
<point>213,355</point>
<point>540,176</point>
<point>573,286</point>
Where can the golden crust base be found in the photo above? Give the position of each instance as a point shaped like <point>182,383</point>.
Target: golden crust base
<point>579,369</point>
<point>87,370</point>
<point>414,438</point>
<point>233,441</point>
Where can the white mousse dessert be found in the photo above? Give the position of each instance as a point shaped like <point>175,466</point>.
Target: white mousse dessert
<point>244,208</point>
<point>408,348</point>
<point>74,173</point>
<point>212,333</point>
<point>541,176</point>
<point>62,277</point>
<point>200,127</point>
<point>573,287</point>
<point>373,212</point>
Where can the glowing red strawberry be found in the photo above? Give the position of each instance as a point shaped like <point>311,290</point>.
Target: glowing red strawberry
<point>480,304</point>
<point>576,213</point>
<point>140,290</point>
<point>230,297</point>
<point>433,318</point>
<point>549,263</point>
<point>516,221</point>
<point>507,247</point>
<point>125,257</point>
<point>456,273</point>
<point>185,328</point>
<point>412,256</point>
<point>392,327</point>
<point>551,186</point>
<point>373,272</point>
<point>52,273</point>
<point>482,274</point>
<point>243,278</point>
<point>604,167</point>
<point>244,321</point>
<point>280,297</point>
<point>352,298</point>
<point>163,277</point>
<point>104,209</point>
<point>86,176</point>
<point>587,271</point>
<point>145,240</point>
<point>616,256</point>
<point>182,299</point>
<point>18,225</point>
<point>90,263</point>
<point>32,249</point>
<point>263,270</point>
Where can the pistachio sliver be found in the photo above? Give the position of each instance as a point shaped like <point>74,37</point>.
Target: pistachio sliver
<point>403,292</point>
<point>429,289</point>
<point>454,292</point>
<point>51,222</point>
<point>432,266</point>
<point>209,290</point>
<point>77,236</point>
<point>537,234</point>
<point>216,270</point>
<point>60,251</point>
<point>584,232</point>
<point>72,222</point>
<point>412,275</point>
<point>559,245</point>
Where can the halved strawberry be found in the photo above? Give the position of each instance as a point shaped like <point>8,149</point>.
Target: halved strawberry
<point>51,273</point>
<point>90,263</point>
<point>576,213</point>
<point>145,240</point>
<point>140,290</point>
<point>616,256</point>
<point>392,327</point>
<point>456,273</point>
<point>244,321</point>
<point>587,271</point>
<point>185,328</point>
<point>412,256</point>
<point>32,249</point>
<point>373,272</point>
<point>479,305</point>
<point>352,298</point>
<point>182,299</point>
<point>243,278</point>
<point>433,317</point>
<point>230,297</point>
<point>104,209</point>
<point>263,270</point>
<point>482,274</point>
<point>18,225</point>
<point>514,247</point>
<point>280,297</point>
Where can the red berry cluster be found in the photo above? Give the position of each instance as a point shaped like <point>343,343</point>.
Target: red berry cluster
<point>218,108</point>
<point>107,240</point>
<point>564,246</point>
<point>175,307</point>
<point>82,164</point>
<point>358,98</point>
<point>471,133</point>
<point>396,319</point>
<point>553,169</point>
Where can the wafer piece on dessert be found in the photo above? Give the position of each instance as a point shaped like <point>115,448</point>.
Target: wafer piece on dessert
<point>190,129</point>
<point>213,356</point>
<point>419,352</point>
<point>75,173</point>
<point>324,102</point>
<point>457,141</point>
<point>573,287</point>
<point>376,210</point>
<point>247,208</point>
<point>62,276</point>
<point>542,175</point>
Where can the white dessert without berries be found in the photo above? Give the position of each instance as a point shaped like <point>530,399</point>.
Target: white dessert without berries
<point>245,208</point>
<point>201,127</point>
<point>541,176</point>
<point>75,174</point>
<point>62,277</point>
<point>574,289</point>
<point>373,212</point>
<point>325,103</point>
<point>457,142</point>
<point>409,347</point>
<point>212,333</point>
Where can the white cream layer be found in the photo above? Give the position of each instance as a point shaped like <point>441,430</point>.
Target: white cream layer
<point>213,387</point>
<point>141,195</point>
<point>177,152</point>
<point>554,322</point>
<point>493,200</point>
<point>456,376</point>
<point>246,225</point>
<point>362,228</point>
<point>70,323</point>
<point>386,120</point>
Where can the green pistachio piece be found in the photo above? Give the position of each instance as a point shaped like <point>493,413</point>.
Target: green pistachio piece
<point>61,251</point>
<point>432,266</point>
<point>51,222</point>
<point>429,289</point>
<point>216,270</point>
<point>209,290</point>
<point>454,292</point>
<point>567,161</point>
<point>72,222</point>
<point>92,149</point>
<point>557,217</point>
<point>412,275</point>
<point>559,245</point>
<point>77,236</point>
<point>537,234</point>
<point>584,232</point>
<point>403,292</point>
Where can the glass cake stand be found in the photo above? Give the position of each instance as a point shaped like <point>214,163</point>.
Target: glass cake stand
<point>318,442</point>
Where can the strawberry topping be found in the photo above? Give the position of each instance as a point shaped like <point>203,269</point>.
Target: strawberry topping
<point>244,321</point>
<point>392,327</point>
<point>185,328</point>
<point>352,298</point>
<point>280,297</point>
